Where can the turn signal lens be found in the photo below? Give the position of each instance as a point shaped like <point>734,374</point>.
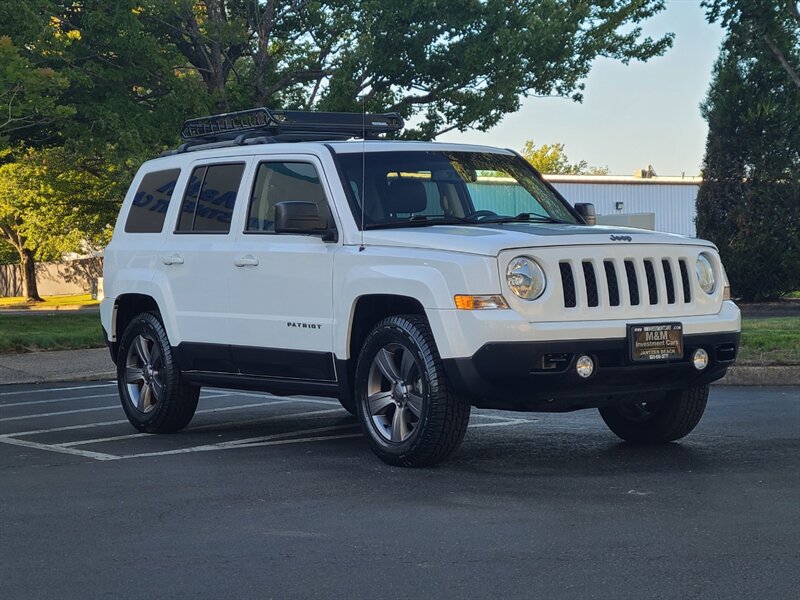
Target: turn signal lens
<point>726,292</point>
<point>464,302</point>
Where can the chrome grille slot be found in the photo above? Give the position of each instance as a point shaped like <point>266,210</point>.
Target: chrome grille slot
<point>590,279</point>
<point>669,280</point>
<point>652,285</point>
<point>613,284</point>
<point>568,285</point>
<point>633,282</point>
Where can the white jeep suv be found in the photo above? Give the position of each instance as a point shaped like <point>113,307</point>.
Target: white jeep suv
<point>410,280</point>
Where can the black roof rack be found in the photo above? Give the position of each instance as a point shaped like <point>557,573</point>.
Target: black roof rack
<point>263,126</point>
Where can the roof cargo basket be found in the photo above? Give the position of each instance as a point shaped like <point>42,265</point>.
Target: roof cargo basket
<point>262,125</point>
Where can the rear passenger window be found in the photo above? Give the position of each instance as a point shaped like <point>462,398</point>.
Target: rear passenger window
<point>149,207</point>
<point>210,198</point>
<point>282,182</point>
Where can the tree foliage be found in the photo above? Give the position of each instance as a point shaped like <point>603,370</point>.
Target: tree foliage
<point>551,159</point>
<point>28,94</point>
<point>450,65</point>
<point>749,203</point>
<point>108,84</point>
<point>52,202</point>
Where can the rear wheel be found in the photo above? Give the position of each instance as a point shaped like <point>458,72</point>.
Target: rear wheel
<point>406,406</point>
<point>154,397</point>
<point>658,421</point>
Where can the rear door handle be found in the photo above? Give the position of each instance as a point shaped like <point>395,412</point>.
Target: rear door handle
<point>174,259</point>
<point>248,260</point>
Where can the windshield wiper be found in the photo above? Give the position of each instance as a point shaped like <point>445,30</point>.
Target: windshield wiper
<point>524,218</point>
<point>420,221</point>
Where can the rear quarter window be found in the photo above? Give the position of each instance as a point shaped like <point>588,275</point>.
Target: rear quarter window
<point>151,201</point>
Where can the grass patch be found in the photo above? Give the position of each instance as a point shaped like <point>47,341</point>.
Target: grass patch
<point>31,333</point>
<point>773,341</point>
<point>50,301</point>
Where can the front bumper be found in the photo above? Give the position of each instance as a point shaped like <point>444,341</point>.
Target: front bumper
<point>510,375</point>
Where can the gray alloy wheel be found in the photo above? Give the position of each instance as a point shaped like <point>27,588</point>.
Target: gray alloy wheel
<point>143,373</point>
<point>154,396</point>
<point>408,410</point>
<point>394,392</point>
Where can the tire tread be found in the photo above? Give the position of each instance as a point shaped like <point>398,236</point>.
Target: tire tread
<point>449,415</point>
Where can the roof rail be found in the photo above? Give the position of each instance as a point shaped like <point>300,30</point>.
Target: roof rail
<point>285,125</point>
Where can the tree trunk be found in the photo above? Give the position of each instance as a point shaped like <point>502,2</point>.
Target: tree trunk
<point>29,288</point>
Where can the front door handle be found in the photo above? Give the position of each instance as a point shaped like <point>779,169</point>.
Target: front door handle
<point>248,260</point>
<point>174,259</point>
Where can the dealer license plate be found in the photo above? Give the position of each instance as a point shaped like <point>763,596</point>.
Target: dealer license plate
<point>659,341</point>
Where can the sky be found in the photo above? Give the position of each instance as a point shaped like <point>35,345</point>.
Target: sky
<point>631,116</point>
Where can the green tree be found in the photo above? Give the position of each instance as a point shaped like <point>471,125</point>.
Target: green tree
<point>51,203</point>
<point>28,94</point>
<point>749,202</point>
<point>551,159</point>
<point>92,93</point>
<point>450,65</point>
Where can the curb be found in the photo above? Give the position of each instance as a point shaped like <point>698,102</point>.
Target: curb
<point>57,308</point>
<point>751,375</point>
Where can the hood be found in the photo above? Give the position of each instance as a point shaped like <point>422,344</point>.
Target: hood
<point>490,240</point>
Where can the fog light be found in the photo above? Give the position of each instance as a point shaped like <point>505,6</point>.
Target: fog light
<point>700,359</point>
<point>585,366</point>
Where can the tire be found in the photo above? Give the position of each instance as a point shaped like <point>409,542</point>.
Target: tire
<point>349,404</point>
<point>660,421</point>
<point>145,360</point>
<point>407,408</point>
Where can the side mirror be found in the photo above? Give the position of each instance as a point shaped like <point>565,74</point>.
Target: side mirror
<point>301,217</point>
<point>587,213</point>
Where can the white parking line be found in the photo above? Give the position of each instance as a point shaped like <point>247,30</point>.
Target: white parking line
<point>204,396</point>
<point>245,443</point>
<point>506,423</point>
<point>120,421</point>
<point>52,400</point>
<point>212,426</point>
<point>4,439</point>
<point>253,442</point>
<point>59,413</point>
<point>63,389</point>
<point>293,398</point>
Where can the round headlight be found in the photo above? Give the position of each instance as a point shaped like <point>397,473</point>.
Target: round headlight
<point>705,274</point>
<point>525,278</point>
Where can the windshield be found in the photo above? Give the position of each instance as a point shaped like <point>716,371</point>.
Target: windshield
<point>411,189</point>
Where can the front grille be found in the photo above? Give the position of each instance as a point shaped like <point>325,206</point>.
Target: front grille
<point>625,282</point>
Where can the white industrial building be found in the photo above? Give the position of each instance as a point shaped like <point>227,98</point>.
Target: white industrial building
<point>672,200</point>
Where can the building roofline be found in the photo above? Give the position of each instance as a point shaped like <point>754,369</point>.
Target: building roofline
<point>624,179</point>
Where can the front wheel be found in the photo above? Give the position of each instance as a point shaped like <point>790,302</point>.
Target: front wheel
<point>154,397</point>
<point>658,421</point>
<point>406,406</point>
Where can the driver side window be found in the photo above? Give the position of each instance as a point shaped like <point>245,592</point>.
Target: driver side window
<point>282,182</point>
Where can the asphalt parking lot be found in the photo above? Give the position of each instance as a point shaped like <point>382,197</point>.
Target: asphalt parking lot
<point>265,497</point>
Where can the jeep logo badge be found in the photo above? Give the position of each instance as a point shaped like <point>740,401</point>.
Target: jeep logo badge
<point>621,238</point>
